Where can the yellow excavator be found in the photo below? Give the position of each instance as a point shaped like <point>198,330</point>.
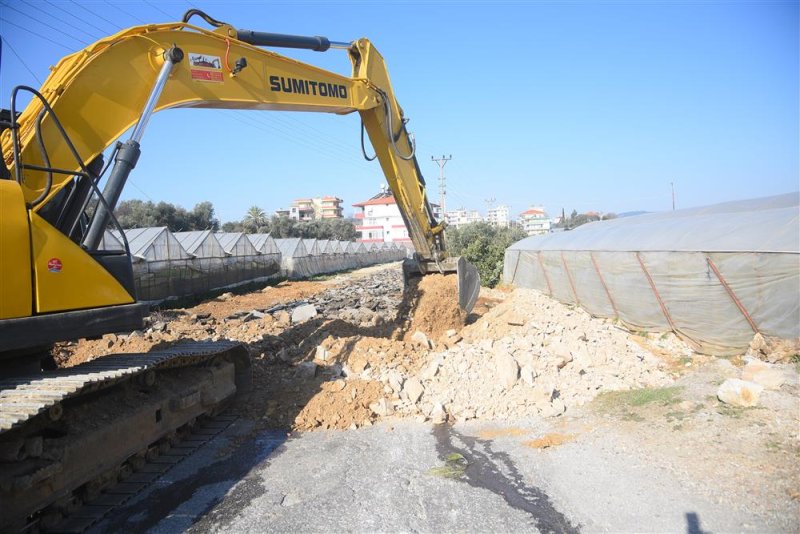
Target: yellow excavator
<point>57,283</point>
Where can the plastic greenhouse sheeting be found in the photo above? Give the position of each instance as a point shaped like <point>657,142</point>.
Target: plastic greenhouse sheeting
<point>714,275</point>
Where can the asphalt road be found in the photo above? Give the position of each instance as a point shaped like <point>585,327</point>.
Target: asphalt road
<point>412,476</point>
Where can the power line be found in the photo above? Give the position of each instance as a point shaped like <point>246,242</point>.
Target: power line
<point>35,20</point>
<point>35,77</point>
<point>118,8</point>
<point>113,24</point>
<point>159,10</point>
<point>101,30</point>
<point>37,8</point>
<point>39,35</point>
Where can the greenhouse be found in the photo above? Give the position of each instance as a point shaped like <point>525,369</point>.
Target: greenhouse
<point>208,262</point>
<point>714,275</point>
<point>161,266</point>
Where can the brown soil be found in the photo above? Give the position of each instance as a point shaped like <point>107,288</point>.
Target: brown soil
<point>549,440</point>
<point>435,306</point>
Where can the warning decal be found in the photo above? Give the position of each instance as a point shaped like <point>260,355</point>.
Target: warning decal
<point>54,265</point>
<point>206,75</point>
<point>205,68</point>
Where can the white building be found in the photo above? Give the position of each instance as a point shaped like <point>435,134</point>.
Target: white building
<point>309,209</point>
<point>499,217</point>
<point>535,221</point>
<point>380,221</point>
<point>463,216</point>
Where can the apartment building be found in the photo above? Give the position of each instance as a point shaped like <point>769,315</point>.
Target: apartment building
<point>308,209</point>
<point>463,216</point>
<point>499,217</point>
<point>379,220</point>
<point>535,221</point>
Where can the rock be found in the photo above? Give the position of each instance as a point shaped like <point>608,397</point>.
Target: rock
<point>283,354</point>
<point>322,354</point>
<point>382,408</point>
<point>421,338</point>
<point>430,371</point>
<point>451,333</point>
<point>507,368</point>
<point>739,392</point>
<point>306,370</point>
<point>764,374</point>
<point>438,414</point>
<point>515,319</point>
<point>527,374</point>
<point>414,389</point>
<point>395,380</point>
<point>225,296</point>
<point>255,314</point>
<point>283,318</point>
<point>303,313</point>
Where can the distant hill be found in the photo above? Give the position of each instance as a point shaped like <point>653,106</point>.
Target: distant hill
<point>631,213</point>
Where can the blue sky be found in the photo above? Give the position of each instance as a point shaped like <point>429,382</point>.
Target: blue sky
<point>575,105</point>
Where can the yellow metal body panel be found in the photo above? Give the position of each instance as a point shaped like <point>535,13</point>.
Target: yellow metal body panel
<point>15,253</point>
<point>66,277</point>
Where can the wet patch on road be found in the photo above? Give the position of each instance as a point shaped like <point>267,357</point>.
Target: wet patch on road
<point>495,471</point>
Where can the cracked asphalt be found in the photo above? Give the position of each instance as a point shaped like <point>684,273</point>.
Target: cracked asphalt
<point>386,478</point>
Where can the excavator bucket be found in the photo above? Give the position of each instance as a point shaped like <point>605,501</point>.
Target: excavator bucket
<point>469,284</point>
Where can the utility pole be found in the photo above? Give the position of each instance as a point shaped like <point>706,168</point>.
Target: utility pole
<point>441,162</point>
<point>672,185</point>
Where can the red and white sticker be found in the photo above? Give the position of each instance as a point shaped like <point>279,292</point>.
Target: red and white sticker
<point>54,265</point>
<point>205,68</point>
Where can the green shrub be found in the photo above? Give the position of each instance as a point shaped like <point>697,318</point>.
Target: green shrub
<point>484,246</point>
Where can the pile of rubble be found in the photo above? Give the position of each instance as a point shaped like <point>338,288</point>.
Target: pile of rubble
<point>344,353</point>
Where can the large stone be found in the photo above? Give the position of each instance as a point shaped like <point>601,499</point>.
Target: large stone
<point>438,414</point>
<point>382,408</point>
<point>431,370</point>
<point>307,370</point>
<point>507,368</point>
<point>421,338</point>
<point>322,354</point>
<point>764,374</point>
<point>528,375</point>
<point>739,392</point>
<point>303,313</point>
<point>414,389</point>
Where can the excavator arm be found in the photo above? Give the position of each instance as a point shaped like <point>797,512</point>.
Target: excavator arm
<point>54,148</point>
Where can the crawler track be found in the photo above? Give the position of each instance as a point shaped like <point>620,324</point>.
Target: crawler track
<point>66,433</point>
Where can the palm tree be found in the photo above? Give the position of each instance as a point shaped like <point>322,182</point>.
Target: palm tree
<point>254,219</point>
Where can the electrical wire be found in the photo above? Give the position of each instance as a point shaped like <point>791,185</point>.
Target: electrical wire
<point>71,49</point>
<point>161,11</point>
<point>13,51</point>
<point>131,15</point>
<point>36,20</point>
<point>113,24</point>
<point>37,8</point>
<point>101,30</point>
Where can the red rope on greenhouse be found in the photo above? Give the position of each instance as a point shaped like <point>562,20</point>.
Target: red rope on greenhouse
<point>733,296</point>
<point>569,276</point>
<point>655,291</point>
<point>603,282</point>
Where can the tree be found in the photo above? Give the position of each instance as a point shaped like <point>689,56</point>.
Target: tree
<point>140,214</point>
<point>255,220</point>
<point>202,217</point>
<point>484,246</point>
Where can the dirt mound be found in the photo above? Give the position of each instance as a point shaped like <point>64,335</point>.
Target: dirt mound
<point>434,305</point>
